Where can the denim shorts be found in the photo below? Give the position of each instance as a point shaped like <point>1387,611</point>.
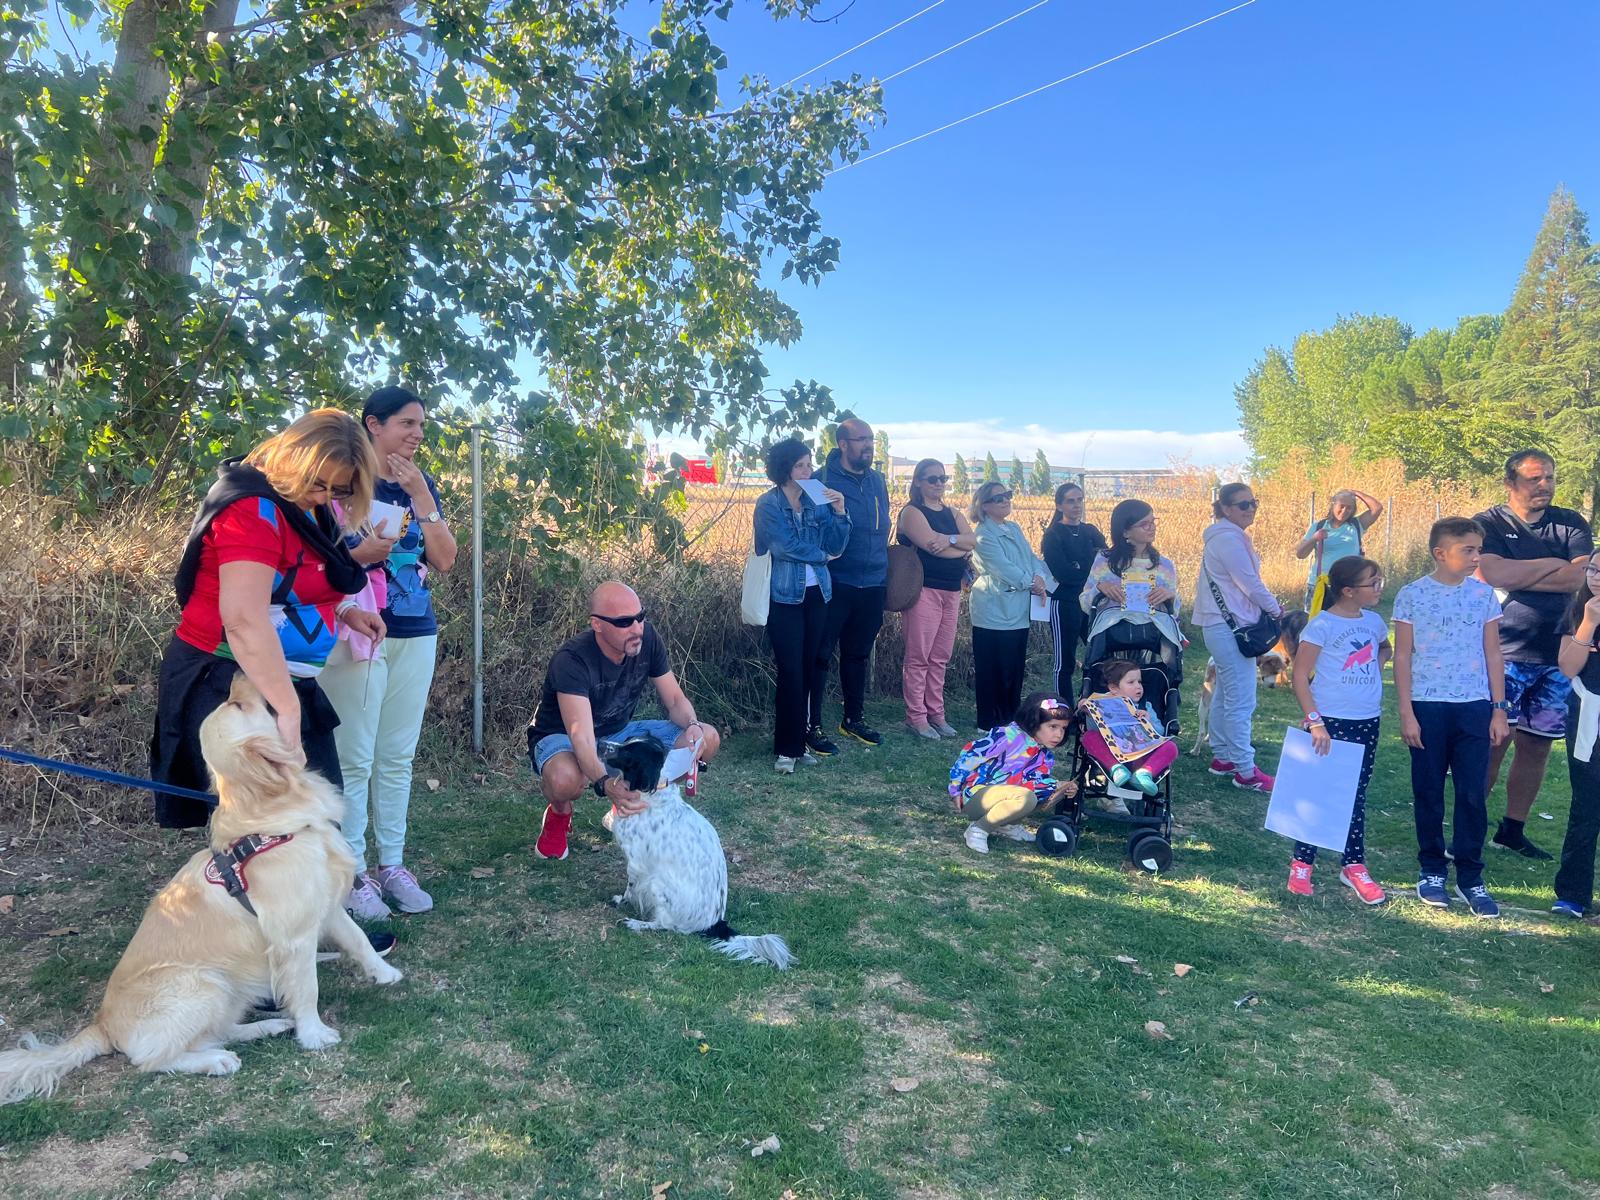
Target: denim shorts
<point>1538,696</point>
<point>666,731</point>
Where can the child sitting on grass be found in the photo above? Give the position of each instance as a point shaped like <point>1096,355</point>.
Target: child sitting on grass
<point>1005,774</point>
<point>1130,762</point>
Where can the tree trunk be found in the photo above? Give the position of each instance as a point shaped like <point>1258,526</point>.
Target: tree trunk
<point>16,298</point>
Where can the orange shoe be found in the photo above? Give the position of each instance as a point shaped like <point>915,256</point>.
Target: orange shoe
<point>1356,878</point>
<point>552,841</point>
<point>1300,878</point>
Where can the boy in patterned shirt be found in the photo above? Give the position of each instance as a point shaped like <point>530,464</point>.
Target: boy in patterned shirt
<point>1450,680</point>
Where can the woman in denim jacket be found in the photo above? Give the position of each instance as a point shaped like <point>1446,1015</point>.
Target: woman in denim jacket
<point>801,536</point>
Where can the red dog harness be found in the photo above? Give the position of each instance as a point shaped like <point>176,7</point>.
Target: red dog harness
<point>226,868</point>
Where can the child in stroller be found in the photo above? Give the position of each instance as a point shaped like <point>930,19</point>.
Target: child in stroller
<point>1122,734</point>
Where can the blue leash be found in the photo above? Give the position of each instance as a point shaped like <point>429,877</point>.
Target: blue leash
<point>149,785</point>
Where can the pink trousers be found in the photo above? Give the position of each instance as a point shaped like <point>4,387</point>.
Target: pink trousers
<point>930,626</point>
<point>1157,761</point>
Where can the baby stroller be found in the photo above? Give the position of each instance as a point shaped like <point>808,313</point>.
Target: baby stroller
<point>1154,641</point>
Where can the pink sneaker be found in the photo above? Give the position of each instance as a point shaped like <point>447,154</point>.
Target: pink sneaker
<point>552,841</point>
<point>1356,878</point>
<point>1218,767</point>
<point>1257,781</point>
<point>1300,878</point>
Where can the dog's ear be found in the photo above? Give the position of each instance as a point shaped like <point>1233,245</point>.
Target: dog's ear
<point>268,762</point>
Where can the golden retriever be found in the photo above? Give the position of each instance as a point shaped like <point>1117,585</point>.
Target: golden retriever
<point>200,961</point>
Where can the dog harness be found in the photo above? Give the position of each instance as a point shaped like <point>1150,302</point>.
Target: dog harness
<point>226,868</point>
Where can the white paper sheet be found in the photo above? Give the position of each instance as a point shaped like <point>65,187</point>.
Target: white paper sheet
<point>394,514</point>
<point>1314,796</point>
<point>1039,608</point>
<point>679,763</point>
<point>1136,597</point>
<point>814,489</point>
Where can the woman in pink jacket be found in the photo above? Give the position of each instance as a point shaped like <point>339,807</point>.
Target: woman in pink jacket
<point>1231,565</point>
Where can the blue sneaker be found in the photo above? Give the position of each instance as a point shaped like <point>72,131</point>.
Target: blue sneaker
<point>1430,890</point>
<point>1567,908</point>
<point>1478,899</point>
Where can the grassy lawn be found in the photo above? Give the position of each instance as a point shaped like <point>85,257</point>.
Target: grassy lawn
<point>536,1049</point>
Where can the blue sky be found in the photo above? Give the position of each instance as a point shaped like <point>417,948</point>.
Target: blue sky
<point>1112,255</point>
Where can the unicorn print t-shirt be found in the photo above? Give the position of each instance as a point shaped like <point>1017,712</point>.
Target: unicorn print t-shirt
<point>1348,683</point>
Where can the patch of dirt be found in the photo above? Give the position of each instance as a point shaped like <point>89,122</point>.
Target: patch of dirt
<point>222,1183</point>
<point>59,1166</point>
<point>1403,1107</point>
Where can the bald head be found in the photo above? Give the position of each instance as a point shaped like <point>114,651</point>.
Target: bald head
<point>855,444</point>
<point>609,603</point>
<point>613,598</point>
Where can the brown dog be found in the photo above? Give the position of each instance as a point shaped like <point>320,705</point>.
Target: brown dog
<point>1273,668</point>
<point>200,959</point>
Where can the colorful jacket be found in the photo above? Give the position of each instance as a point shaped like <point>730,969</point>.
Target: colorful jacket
<point>1004,755</point>
<point>1165,574</point>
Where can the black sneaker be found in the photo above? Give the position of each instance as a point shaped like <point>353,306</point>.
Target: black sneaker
<point>382,941</point>
<point>1430,890</point>
<point>861,731</point>
<point>1521,845</point>
<point>1478,899</point>
<point>820,743</point>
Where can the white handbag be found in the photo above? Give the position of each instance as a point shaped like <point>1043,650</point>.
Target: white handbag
<point>757,595</point>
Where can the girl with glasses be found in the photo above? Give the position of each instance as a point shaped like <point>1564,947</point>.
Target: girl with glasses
<point>1069,547</point>
<point>943,540</point>
<point>1010,574</point>
<point>1231,567</point>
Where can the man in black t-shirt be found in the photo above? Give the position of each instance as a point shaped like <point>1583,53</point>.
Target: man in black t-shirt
<point>1533,555</point>
<point>591,689</point>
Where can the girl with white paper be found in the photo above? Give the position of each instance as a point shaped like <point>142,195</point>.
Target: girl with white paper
<point>1338,680</point>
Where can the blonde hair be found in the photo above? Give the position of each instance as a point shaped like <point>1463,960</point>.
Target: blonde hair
<point>294,460</point>
<point>982,496</point>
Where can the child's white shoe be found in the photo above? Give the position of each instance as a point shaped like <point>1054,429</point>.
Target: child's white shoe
<point>977,838</point>
<point>1017,833</point>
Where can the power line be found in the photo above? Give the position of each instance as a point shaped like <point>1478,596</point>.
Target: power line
<point>868,42</point>
<point>1042,88</point>
<point>963,42</point>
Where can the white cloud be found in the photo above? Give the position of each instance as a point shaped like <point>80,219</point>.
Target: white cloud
<point>1093,448</point>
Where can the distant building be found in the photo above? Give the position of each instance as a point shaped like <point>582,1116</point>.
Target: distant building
<point>1098,483</point>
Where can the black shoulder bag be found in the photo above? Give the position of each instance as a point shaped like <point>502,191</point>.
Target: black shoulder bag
<point>1254,639</point>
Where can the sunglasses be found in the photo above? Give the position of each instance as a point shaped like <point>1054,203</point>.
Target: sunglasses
<point>338,493</point>
<point>622,622</point>
<point>999,498</point>
<point>1248,505</point>
<point>938,479</point>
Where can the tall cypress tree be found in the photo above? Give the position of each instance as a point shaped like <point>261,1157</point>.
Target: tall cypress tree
<point>1019,477</point>
<point>1040,483</point>
<point>963,480</point>
<point>991,470</point>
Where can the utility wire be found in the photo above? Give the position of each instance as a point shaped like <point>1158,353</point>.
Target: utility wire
<point>962,42</point>
<point>868,42</point>
<point>1042,88</point>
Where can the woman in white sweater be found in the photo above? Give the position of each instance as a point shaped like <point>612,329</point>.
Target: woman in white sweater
<point>1230,562</point>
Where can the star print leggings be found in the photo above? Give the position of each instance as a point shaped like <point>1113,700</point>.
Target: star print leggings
<point>1365,734</point>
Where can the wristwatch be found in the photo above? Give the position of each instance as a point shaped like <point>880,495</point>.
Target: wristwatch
<point>1313,718</point>
<point>1502,705</point>
<point>952,537</point>
<point>600,786</point>
<point>432,518</point>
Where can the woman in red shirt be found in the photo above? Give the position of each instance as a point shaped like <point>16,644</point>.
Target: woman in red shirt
<point>264,582</point>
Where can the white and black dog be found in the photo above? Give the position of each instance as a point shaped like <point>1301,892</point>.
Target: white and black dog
<point>677,875</point>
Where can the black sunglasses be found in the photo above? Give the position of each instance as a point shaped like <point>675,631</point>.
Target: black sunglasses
<point>936,479</point>
<point>1248,505</point>
<point>998,498</point>
<point>621,622</point>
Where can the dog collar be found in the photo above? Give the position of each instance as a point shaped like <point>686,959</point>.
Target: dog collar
<point>226,868</point>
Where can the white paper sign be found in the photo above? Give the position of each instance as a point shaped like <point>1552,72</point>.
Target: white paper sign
<point>1136,597</point>
<point>1039,609</point>
<point>1315,795</point>
<point>814,489</point>
<point>383,512</point>
<point>679,762</point>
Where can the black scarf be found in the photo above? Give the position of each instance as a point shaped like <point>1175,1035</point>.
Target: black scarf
<point>238,481</point>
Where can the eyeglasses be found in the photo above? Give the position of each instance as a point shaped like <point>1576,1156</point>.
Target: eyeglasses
<point>865,437</point>
<point>1147,523</point>
<point>1591,572</point>
<point>1375,582</point>
<point>343,492</point>
<point>1248,505</point>
<point>622,622</point>
<point>941,480</point>
<point>998,498</point>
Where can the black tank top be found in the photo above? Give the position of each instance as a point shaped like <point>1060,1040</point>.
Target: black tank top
<point>940,574</point>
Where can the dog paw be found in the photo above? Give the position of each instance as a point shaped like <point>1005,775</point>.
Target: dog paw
<point>223,1062</point>
<point>384,974</point>
<point>316,1037</point>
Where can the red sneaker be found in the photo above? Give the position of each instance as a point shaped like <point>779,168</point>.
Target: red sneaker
<point>1300,878</point>
<point>552,841</point>
<point>1356,878</point>
<point>1257,781</point>
<point>1218,767</point>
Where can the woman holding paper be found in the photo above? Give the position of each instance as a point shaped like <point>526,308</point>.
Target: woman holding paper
<point>1338,680</point>
<point>1010,578</point>
<point>381,692</point>
<point>1132,574</point>
<point>802,525</point>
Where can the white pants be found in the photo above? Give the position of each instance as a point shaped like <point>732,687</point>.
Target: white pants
<point>1233,708</point>
<point>380,719</point>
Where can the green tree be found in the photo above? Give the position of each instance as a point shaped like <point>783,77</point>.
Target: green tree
<point>243,211</point>
<point>880,452</point>
<point>827,442</point>
<point>1019,477</point>
<point>1040,482</point>
<point>991,470</point>
<point>963,480</point>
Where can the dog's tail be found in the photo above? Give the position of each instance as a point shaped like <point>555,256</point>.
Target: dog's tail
<point>35,1069</point>
<point>766,947</point>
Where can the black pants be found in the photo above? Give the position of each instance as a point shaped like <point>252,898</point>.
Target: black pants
<point>1455,741</point>
<point>193,685</point>
<point>1066,626</point>
<point>795,633</point>
<point>1365,735</point>
<point>855,614</point>
<point>999,662</point>
<point>1575,878</point>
